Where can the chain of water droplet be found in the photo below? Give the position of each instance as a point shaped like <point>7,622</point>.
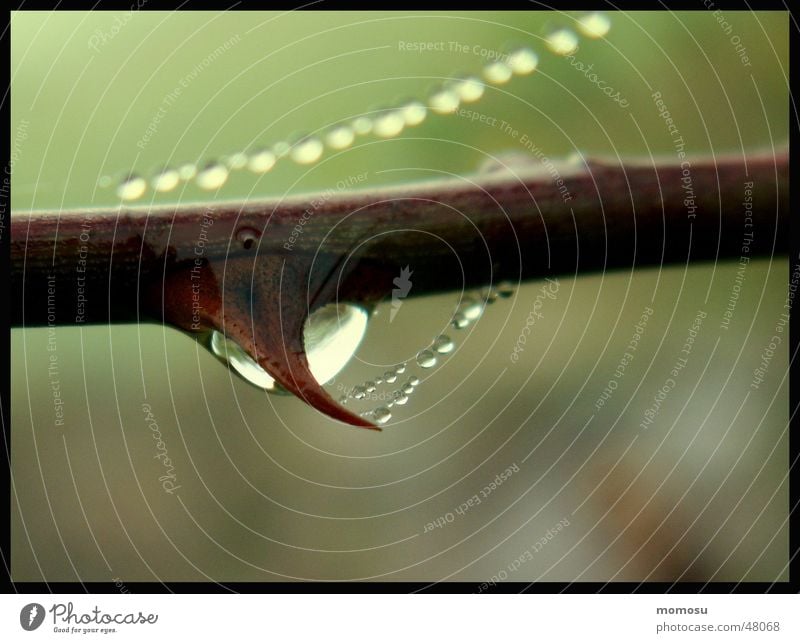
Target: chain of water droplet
<point>445,99</point>
<point>468,311</point>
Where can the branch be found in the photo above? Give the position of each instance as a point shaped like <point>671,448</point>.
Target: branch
<point>255,270</point>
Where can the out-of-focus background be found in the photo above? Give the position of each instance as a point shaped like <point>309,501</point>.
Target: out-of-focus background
<point>271,490</point>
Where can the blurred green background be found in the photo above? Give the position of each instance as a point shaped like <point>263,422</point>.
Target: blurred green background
<point>271,490</point>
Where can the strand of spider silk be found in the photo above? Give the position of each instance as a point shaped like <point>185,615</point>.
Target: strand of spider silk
<point>445,99</point>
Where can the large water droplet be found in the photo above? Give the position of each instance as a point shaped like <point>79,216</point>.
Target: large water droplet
<point>261,161</point>
<point>212,176</point>
<point>166,180</point>
<point>307,151</point>
<point>230,353</point>
<point>562,42</point>
<point>332,335</point>
<point>443,344</point>
<point>400,398</point>
<point>426,359</point>
<point>522,61</point>
<point>340,137</point>
<point>413,380</point>
<point>497,72</point>
<point>131,188</point>
<point>444,101</point>
<point>388,124</point>
<point>595,24</point>
<point>391,377</point>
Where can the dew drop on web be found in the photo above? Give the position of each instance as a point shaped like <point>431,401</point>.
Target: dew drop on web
<point>306,151</point>
<point>497,72</point>
<point>213,176</point>
<point>562,41</point>
<point>166,180</point>
<point>340,137</point>
<point>443,344</point>
<point>426,359</point>
<point>362,125</point>
<point>444,101</point>
<point>388,124</point>
<point>522,61</point>
<point>414,112</point>
<point>469,88</point>
<point>594,24</point>
<point>131,188</point>
<point>261,161</point>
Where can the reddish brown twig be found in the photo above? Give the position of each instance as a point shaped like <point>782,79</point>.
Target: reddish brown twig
<point>255,270</point>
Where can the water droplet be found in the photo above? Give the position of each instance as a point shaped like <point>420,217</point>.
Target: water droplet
<point>261,161</point>
<point>400,398</point>
<point>230,353</point>
<point>389,124</point>
<point>390,376</point>
<point>281,149</point>
<point>460,321</point>
<point>359,392</point>
<point>131,188</point>
<point>362,125</point>
<point>382,415</point>
<point>505,289</point>
<point>166,180</point>
<point>407,389</point>
<point>522,61</point>
<point>594,24</point>
<point>562,42</point>
<point>414,112</point>
<point>400,368</point>
<point>237,161</point>
<point>187,171</point>
<point>426,359</point>
<point>469,89</point>
<point>212,176</point>
<point>489,295</point>
<point>444,101</point>
<point>370,386</point>
<point>379,380</point>
<point>497,72</point>
<point>331,336</point>
<point>443,344</point>
<point>472,309</point>
<point>247,237</point>
<point>307,151</point>
<point>343,399</point>
<point>413,380</point>
<point>340,137</point>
